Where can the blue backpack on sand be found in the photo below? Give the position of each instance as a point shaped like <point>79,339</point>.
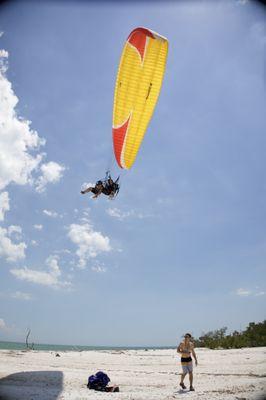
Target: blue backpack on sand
<point>99,381</point>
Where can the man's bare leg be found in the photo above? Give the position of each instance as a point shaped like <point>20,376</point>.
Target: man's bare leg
<point>182,381</point>
<point>97,194</point>
<point>89,189</point>
<point>191,380</point>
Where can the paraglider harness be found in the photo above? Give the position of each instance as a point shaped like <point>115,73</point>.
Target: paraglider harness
<point>110,189</point>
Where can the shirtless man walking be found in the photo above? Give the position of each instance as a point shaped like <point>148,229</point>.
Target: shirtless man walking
<point>186,348</point>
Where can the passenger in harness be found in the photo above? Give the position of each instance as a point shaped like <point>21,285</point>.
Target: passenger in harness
<point>108,187</point>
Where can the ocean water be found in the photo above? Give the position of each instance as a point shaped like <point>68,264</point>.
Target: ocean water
<point>60,347</point>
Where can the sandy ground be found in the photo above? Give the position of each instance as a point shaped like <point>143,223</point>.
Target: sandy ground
<point>141,375</point>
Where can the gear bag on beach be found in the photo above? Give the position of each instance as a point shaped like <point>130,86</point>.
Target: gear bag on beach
<point>99,381</point>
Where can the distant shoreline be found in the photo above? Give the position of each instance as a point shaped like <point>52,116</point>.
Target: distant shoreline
<point>5,345</point>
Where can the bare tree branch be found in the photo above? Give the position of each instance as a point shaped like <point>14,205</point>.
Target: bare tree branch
<point>28,346</point>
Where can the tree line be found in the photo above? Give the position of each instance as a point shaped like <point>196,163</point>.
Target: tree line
<point>253,336</point>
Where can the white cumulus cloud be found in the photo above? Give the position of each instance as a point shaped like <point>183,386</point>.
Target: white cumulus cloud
<point>2,324</point>
<point>4,204</point>
<point>98,268</point>
<point>14,230</point>
<point>3,53</point>
<point>90,243</point>
<point>20,155</point>
<point>261,293</point>
<point>243,292</point>
<point>121,215</point>
<point>52,172</point>
<point>9,250</point>
<point>248,292</point>
<point>116,213</point>
<point>17,139</point>
<point>50,213</point>
<point>38,227</point>
<point>51,277</point>
<point>21,296</point>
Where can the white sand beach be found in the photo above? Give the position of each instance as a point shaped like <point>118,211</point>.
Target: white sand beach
<point>141,375</point>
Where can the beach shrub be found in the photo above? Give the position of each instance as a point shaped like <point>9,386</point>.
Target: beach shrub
<point>253,336</point>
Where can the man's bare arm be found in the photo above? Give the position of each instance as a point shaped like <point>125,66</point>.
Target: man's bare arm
<point>179,349</point>
<point>194,356</point>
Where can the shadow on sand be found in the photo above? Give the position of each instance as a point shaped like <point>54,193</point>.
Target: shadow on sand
<point>31,385</point>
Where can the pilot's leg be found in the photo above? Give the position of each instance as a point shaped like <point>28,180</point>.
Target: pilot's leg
<point>89,189</point>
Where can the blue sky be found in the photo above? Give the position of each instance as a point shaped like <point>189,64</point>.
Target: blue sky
<point>183,246</point>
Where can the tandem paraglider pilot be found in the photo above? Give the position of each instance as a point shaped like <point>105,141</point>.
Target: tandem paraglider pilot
<point>107,186</point>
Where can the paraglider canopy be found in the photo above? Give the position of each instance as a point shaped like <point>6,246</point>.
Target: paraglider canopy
<point>138,85</point>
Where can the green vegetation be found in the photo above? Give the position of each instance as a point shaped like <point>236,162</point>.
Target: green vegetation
<point>253,336</point>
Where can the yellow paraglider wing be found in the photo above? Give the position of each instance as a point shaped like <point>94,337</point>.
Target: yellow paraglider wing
<point>138,85</point>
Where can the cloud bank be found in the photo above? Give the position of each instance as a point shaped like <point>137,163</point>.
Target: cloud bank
<point>51,173</point>
<point>4,205</point>
<point>38,227</point>
<point>51,277</point>
<point>115,212</point>
<point>248,292</point>
<point>2,324</point>
<point>89,242</point>
<point>9,250</point>
<point>50,213</point>
<point>21,296</point>
<point>20,155</point>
